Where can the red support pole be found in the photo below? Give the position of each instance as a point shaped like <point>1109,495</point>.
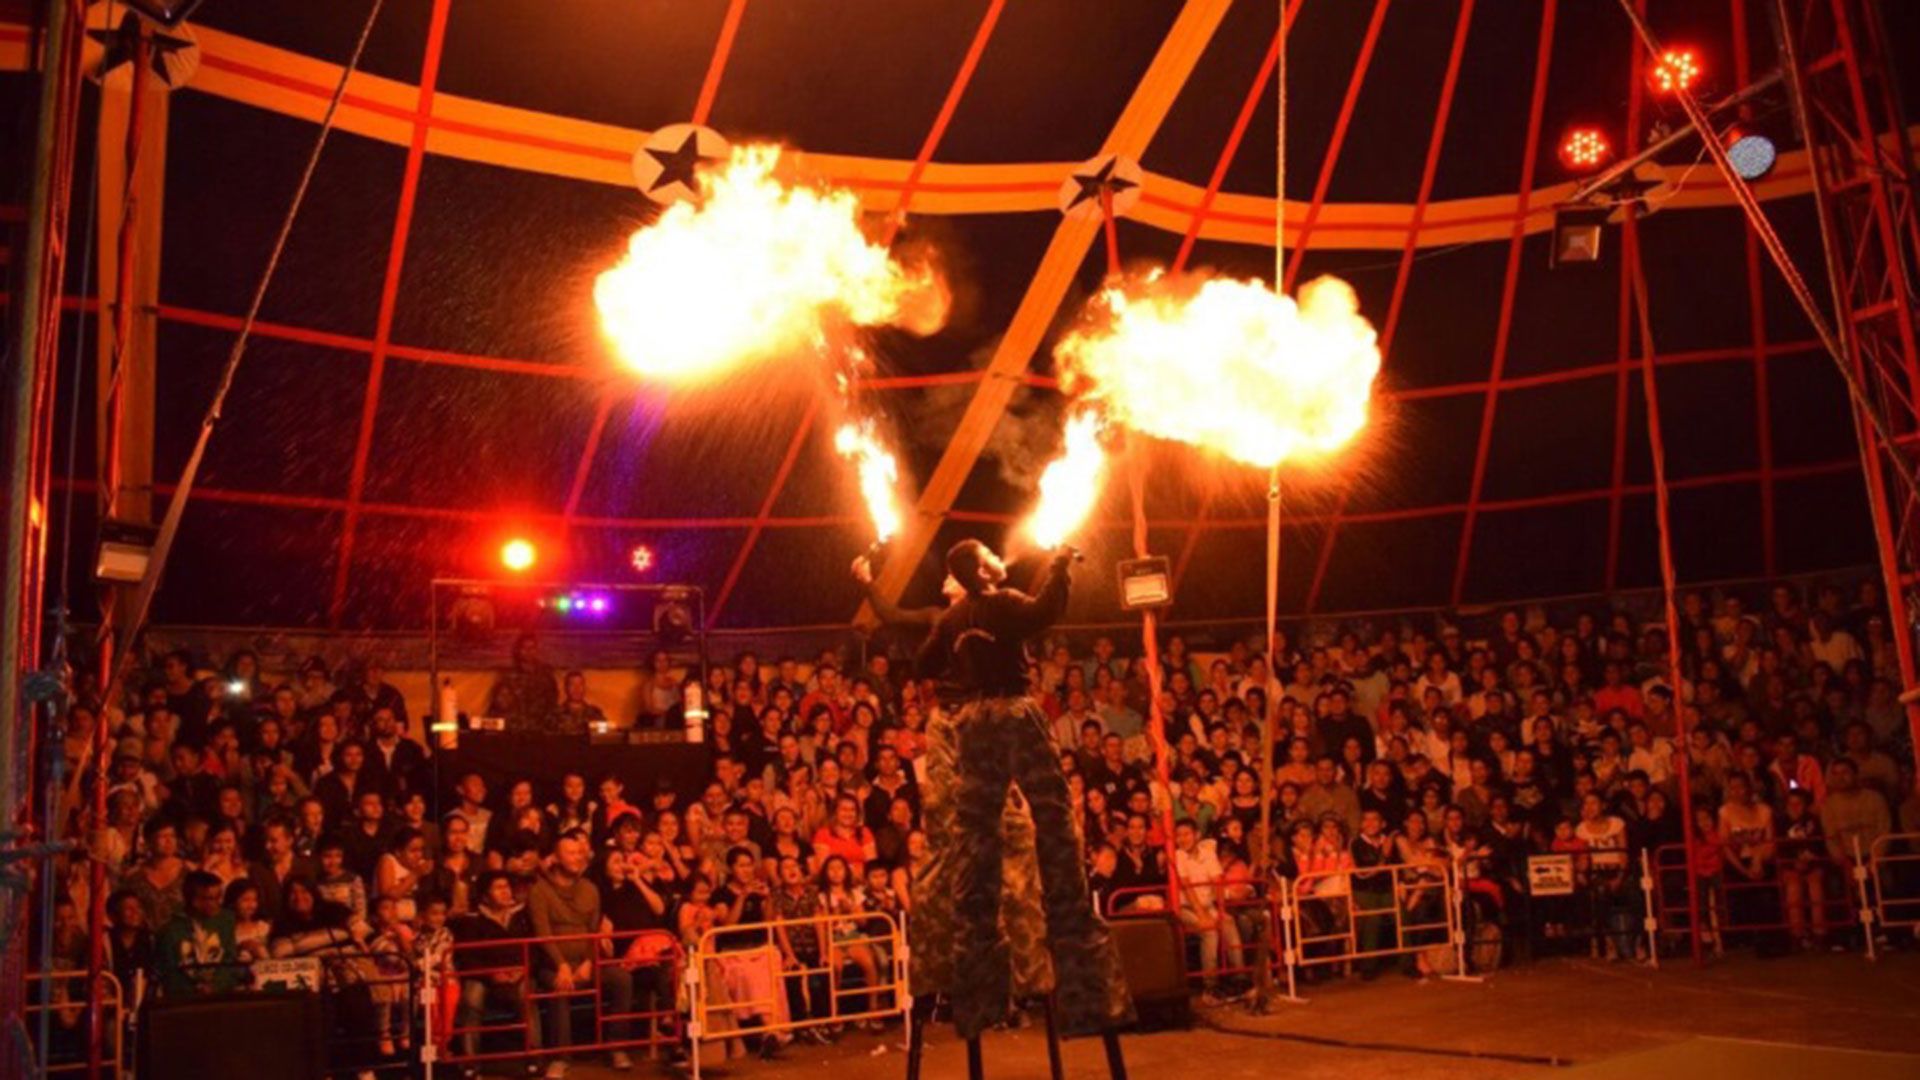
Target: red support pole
<point>717,64</point>
<point>1757,316</point>
<point>1435,139</point>
<point>1623,346</point>
<point>1542,65</point>
<point>1630,242</point>
<point>1156,717</point>
<point>389,298</point>
<point>1845,100</point>
<point>1335,143</point>
<point>1110,232</point>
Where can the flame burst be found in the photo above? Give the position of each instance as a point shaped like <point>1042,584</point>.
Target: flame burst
<point>879,474</point>
<point>755,268</point>
<point>1227,365</point>
<point>1070,486</point>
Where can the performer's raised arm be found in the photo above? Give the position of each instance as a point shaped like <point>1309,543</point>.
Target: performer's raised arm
<point>888,611</point>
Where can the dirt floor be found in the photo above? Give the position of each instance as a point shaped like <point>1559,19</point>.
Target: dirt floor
<point>1519,1023</point>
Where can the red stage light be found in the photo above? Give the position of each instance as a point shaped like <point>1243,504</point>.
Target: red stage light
<point>1676,70</point>
<point>517,555</point>
<point>1584,149</point>
<point>641,559</point>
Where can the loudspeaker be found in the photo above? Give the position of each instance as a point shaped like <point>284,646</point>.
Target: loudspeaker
<point>1156,972</point>
<point>234,1037</point>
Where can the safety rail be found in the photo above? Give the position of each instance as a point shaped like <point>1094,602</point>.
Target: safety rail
<point>1573,901</point>
<point>337,970</point>
<point>69,1013</point>
<point>1329,909</point>
<point>1892,864</point>
<point>517,977</point>
<point>753,971</point>
<point>1247,925</point>
<point>1314,918</point>
<point>1801,892</point>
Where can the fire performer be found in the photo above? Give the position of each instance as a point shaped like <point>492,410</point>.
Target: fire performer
<point>977,652</point>
<point>930,931</point>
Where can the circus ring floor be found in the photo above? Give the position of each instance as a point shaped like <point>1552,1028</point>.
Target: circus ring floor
<point>1804,1016</point>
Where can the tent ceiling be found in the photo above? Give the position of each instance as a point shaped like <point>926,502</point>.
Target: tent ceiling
<point>493,377</point>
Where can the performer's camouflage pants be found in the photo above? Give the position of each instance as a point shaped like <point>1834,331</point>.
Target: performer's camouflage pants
<point>931,932</point>
<point>1004,741</point>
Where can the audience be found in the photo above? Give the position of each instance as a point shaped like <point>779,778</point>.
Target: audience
<point>249,817</point>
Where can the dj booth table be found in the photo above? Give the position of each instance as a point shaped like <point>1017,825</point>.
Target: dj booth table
<point>504,756</point>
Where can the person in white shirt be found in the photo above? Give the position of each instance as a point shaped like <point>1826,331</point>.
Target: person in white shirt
<point>1197,867</point>
<point>1829,644</point>
<point>1649,755</point>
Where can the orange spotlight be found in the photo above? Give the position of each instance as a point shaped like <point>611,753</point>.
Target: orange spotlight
<point>1676,70</point>
<point>1584,149</point>
<point>517,555</point>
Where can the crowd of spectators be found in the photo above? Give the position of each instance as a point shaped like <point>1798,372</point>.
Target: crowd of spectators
<point>254,814</point>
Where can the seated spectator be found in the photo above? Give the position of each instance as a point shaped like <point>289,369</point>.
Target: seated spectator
<point>492,977</point>
<point>196,953</point>
<point>250,926</point>
<point>641,938</point>
<point>565,907</point>
<point>845,836</point>
<point>1197,866</point>
<point>158,881</point>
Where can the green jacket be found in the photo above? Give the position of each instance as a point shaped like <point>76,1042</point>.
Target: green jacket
<point>194,956</point>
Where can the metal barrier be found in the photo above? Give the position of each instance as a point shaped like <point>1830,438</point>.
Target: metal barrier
<point>738,973</point>
<point>1573,902</point>
<point>1894,862</point>
<point>1800,893</point>
<point>58,998</point>
<point>1340,916</point>
<point>509,979</point>
<point>375,1033</point>
<point>1239,952</point>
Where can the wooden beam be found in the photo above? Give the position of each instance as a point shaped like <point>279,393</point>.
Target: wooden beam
<point>134,501</point>
<point>1192,29</point>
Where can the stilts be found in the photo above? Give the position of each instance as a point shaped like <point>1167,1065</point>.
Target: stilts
<point>1054,1067</point>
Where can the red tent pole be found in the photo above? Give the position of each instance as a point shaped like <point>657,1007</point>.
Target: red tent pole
<point>1112,234</point>
<point>1156,719</point>
<point>1631,237</point>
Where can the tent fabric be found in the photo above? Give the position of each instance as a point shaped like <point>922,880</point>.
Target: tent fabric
<point>1508,455</point>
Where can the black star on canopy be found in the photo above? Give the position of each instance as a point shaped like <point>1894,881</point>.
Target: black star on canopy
<point>122,43</point>
<point>1091,185</point>
<point>677,166</point>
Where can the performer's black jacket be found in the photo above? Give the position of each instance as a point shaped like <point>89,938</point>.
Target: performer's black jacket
<point>978,648</point>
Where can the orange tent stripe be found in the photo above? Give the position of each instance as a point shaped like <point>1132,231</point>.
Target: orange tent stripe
<point>238,69</point>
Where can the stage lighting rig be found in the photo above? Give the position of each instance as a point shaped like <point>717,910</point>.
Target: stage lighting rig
<point>1679,68</point>
<point>1752,153</point>
<point>518,555</point>
<point>125,549</point>
<point>1584,149</point>
<point>640,558</point>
